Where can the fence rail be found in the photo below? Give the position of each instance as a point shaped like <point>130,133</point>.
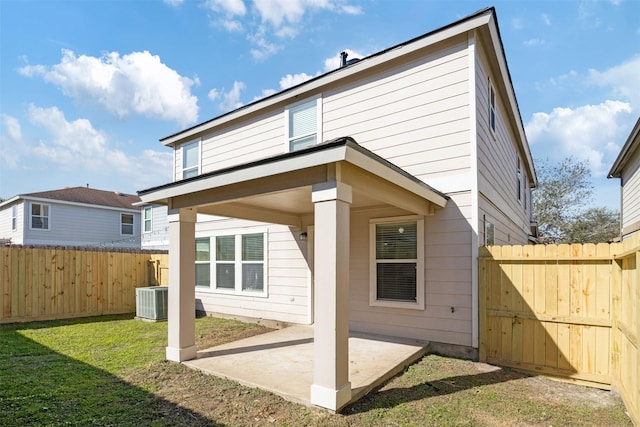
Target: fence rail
<point>53,283</point>
<point>571,311</point>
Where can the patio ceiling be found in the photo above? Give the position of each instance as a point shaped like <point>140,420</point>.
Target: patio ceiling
<point>278,189</point>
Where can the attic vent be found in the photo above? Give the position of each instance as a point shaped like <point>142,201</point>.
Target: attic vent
<point>152,303</point>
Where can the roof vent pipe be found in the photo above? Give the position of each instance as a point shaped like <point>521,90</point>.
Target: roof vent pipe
<point>343,58</point>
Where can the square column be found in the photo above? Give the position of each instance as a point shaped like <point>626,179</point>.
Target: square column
<point>331,387</point>
<point>181,314</point>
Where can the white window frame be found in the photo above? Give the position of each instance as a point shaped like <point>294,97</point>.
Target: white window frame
<point>238,263</point>
<point>133,224</point>
<point>518,178</point>
<point>14,218</point>
<point>48,216</point>
<point>287,111</point>
<point>145,219</point>
<point>493,109</point>
<point>196,168</point>
<point>419,304</point>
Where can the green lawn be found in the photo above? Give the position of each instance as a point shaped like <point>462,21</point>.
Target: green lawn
<point>110,371</point>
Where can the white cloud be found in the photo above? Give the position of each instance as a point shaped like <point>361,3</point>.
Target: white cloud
<point>291,80</point>
<point>174,2</point>
<point>546,19</point>
<point>137,83</point>
<point>77,146</point>
<point>622,80</point>
<point>590,133</point>
<point>14,131</point>
<point>533,42</point>
<point>231,99</point>
<point>516,23</point>
<point>272,19</point>
<point>230,7</point>
<point>213,94</point>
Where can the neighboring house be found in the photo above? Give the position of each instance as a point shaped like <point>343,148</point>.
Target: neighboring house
<point>355,201</point>
<point>78,216</point>
<point>627,168</point>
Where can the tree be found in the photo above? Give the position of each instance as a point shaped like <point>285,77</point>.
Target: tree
<point>594,225</point>
<point>560,205</point>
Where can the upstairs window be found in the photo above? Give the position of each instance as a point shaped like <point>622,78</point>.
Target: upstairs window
<point>14,218</point>
<point>492,107</point>
<point>190,159</point>
<point>40,216</point>
<point>148,224</point>
<point>126,224</point>
<point>397,263</point>
<point>303,124</point>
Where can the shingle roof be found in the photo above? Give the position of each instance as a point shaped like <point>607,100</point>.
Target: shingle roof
<point>90,196</point>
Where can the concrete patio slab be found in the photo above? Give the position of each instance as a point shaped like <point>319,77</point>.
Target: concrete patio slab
<point>282,361</point>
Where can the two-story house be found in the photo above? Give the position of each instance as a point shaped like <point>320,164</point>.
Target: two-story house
<point>627,168</point>
<point>355,201</point>
<point>77,216</point>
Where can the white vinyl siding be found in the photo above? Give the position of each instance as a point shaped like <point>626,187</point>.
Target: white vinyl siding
<point>502,175</point>
<point>158,237</point>
<point>74,225</point>
<point>12,222</point>
<point>415,115</point>
<point>286,277</point>
<point>631,191</point>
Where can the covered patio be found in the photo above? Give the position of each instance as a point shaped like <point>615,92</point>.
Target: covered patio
<point>282,361</point>
<point>324,182</point>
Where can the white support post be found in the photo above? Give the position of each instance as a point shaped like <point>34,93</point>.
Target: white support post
<point>182,295</point>
<point>331,387</point>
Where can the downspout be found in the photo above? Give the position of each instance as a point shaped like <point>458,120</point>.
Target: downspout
<point>475,218</point>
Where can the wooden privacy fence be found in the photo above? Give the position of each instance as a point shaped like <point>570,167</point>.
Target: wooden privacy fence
<point>40,283</point>
<point>571,311</point>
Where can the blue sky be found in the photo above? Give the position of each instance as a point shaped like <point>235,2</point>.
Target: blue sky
<point>88,87</point>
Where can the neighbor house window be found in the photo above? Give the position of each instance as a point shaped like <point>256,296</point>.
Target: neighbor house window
<point>14,218</point>
<point>303,124</point>
<point>492,107</point>
<point>234,263</point>
<point>148,224</point>
<point>126,224</point>
<point>40,216</point>
<point>397,262</point>
<point>190,159</point>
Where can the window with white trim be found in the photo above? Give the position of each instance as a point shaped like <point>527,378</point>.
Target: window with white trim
<point>492,107</point>
<point>396,247</point>
<point>190,159</point>
<point>303,123</point>
<point>148,219</point>
<point>40,216</point>
<point>232,263</point>
<point>519,178</point>
<point>14,218</point>
<point>126,224</point>
<point>489,233</point>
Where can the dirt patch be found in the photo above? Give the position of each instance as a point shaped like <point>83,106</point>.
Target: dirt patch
<point>435,391</point>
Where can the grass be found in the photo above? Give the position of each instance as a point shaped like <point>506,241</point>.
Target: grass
<point>110,371</point>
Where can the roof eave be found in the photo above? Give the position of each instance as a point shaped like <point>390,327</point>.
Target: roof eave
<point>625,153</point>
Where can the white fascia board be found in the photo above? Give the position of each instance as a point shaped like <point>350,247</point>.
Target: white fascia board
<point>10,201</point>
<point>84,205</point>
<point>332,77</point>
<point>367,163</point>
